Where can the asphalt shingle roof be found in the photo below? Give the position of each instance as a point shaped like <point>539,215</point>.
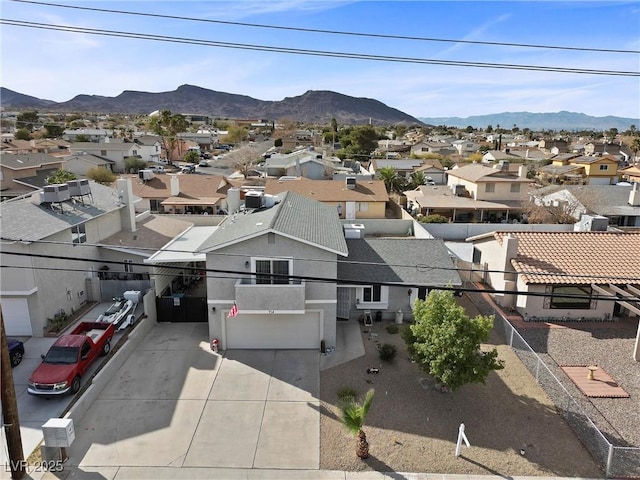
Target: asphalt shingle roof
<point>24,220</point>
<point>28,160</point>
<point>331,190</point>
<point>295,216</point>
<point>414,261</point>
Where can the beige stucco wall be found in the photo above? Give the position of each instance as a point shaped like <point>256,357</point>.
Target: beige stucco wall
<point>309,261</point>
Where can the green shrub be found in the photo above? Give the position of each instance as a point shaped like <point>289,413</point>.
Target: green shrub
<point>409,338</point>
<point>346,394</point>
<point>435,218</point>
<point>387,352</point>
<point>393,329</point>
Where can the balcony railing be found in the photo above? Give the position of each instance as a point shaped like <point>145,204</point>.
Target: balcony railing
<point>273,298</point>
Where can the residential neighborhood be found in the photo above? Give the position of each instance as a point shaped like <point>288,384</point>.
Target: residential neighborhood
<point>287,259</point>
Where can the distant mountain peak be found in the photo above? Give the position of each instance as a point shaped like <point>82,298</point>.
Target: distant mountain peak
<point>313,106</point>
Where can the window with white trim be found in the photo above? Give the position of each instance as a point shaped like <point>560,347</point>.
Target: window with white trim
<point>128,266</point>
<point>372,293</point>
<point>515,188</point>
<point>272,271</point>
<point>78,233</point>
<point>604,167</point>
<point>490,187</point>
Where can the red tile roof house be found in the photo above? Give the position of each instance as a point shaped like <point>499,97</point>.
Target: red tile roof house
<point>562,276</point>
<point>181,194</point>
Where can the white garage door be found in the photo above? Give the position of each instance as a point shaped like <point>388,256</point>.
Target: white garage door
<point>15,313</point>
<point>273,331</point>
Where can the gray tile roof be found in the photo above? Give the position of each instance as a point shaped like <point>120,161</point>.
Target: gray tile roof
<point>27,160</point>
<point>607,200</point>
<point>295,216</point>
<point>24,220</point>
<point>97,147</point>
<point>413,261</point>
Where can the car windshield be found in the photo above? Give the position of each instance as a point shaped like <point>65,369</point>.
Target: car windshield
<point>62,355</point>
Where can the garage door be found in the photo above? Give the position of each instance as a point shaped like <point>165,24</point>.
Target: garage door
<point>273,331</point>
<point>15,313</point>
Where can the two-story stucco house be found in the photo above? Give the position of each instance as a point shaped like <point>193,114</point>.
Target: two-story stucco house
<point>37,228</point>
<point>500,183</point>
<point>575,169</point>
<point>115,151</point>
<point>265,253</point>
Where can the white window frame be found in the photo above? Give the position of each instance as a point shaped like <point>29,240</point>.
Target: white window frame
<point>271,260</point>
<point>382,303</point>
<point>490,187</point>
<point>128,265</point>
<point>604,167</point>
<point>79,233</point>
<point>515,188</point>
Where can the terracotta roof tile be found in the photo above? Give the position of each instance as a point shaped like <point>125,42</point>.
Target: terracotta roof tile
<point>194,186</point>
<point>577,257</point>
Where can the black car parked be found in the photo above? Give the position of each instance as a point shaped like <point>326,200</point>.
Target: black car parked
<point>16,351</point>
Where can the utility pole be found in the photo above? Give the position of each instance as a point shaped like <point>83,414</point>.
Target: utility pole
<point>10,420</point>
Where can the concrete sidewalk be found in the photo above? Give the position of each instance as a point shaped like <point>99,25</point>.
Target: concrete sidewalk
<point>172,473</point>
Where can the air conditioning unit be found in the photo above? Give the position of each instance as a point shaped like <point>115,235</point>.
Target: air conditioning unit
<point>253,199</point>
<point>79,187</point>
<point>56,193</point>
<point>353,230</point>
<point>350,182</point>
<point>145,175</point>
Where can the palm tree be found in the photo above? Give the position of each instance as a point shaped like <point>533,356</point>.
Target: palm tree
<point>354,414</point>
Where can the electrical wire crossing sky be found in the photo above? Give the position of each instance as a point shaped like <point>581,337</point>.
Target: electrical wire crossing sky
<point>427,59</point>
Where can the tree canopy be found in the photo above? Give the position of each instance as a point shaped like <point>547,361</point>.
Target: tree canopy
<point>168,126</point>
<point>445,342</point>
<point>60,176</point>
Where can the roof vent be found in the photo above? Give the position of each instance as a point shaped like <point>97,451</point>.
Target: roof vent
<point>350,182</point>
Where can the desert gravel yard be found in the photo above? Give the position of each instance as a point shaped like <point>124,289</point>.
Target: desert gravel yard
<point>513,427</point>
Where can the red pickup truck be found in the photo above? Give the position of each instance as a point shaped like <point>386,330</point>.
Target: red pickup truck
<point>69,357</point>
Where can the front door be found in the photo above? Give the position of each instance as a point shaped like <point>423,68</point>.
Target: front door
<point>350,213</point>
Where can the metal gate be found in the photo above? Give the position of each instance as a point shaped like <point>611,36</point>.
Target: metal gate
<point>343,309</point>
<point>182,309</point>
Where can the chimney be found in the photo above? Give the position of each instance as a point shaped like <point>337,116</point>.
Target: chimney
<point>522,171</point>
<point>125,196</point>
<point>509,251</point>
<point>175,186</point>
<point>634,195</point>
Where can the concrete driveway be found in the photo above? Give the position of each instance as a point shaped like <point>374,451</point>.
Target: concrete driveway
<point>36,411</point>
<point>176,403</point>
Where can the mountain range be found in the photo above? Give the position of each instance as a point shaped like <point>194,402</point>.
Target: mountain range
<point>570,121</point>
<point>312,107</point>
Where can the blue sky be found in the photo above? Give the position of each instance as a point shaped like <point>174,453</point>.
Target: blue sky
<point>59,65</point>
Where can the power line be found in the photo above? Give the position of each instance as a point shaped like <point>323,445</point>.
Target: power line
<point>317,53</point>
<point>332,32</point>
<point>418,267</point>
<point>313,279</point>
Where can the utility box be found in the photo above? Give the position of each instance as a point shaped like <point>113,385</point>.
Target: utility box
<point>58,432</point>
